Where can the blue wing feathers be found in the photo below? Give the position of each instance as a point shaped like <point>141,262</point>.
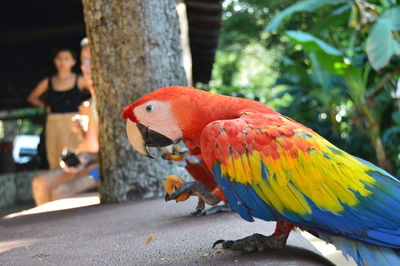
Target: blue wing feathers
<point>243,198</point>
<point>231,194</point>
<point>375,220</point>
<point>364,222</point>
<point>258,208</point>
<point>364,254</point>
<point>378,169</point>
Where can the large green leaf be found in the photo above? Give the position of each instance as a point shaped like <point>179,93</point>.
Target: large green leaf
<point>380,45</point>
<point>332,21</point>
<point>303,6</point>
<point>312,43</point>
<point>330,58</point>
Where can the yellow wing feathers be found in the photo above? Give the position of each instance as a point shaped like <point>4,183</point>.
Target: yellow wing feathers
<point>308,167</point>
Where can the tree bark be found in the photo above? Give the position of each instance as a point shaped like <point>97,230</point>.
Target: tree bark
<point>135,48</point>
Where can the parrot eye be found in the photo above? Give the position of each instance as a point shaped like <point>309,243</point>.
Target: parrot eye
<point>149,108</point>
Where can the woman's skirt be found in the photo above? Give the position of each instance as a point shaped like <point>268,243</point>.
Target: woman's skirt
<point>59,137</point>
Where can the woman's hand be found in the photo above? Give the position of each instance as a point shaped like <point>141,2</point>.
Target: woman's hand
<point>85,159</point>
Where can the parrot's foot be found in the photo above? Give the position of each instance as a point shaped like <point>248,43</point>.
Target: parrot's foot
<point>256,242</point>
<point>179,154</point>
<point>260,242</point>
<point>213,210</point>
<point>195,189</point>
<point>174,153</point>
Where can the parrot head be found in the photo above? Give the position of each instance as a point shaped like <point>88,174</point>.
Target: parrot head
<point>151,122</point>
<point>168,115</point>
<point>165,116</point>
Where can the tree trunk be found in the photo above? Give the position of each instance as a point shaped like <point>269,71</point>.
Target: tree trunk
<point>135,48</point>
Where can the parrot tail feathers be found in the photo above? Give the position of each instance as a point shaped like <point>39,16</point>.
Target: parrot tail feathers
<point>363,253</point>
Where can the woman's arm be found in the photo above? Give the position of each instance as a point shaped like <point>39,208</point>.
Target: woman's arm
<point>88,148</point>
<point>83,84</point>
<point>34,97</point>
<point>90,142</point>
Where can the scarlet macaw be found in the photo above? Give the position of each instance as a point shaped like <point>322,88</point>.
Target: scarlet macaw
<point>273,168</point>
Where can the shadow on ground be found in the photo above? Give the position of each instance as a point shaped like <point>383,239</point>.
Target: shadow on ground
<point>16,208</point>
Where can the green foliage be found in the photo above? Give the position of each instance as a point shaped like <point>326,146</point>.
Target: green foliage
<point>27,126</point>
<point>303,6</point>
<point>381,44</point>
<point>253,65</point>
<point>327,61</point>
<point>26,121</point>
<point>329,56</point>
<point>391,138</point>
<point>1,130</point>
<point>320,67</point>
<point>312,44</point>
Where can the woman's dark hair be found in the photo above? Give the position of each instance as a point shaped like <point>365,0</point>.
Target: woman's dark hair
<point>56,52</point>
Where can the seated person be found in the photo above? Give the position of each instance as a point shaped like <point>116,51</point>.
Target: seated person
<point>58,183</point>
<point>67,181</point>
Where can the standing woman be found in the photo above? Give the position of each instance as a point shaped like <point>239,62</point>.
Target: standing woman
<point>61,95</point>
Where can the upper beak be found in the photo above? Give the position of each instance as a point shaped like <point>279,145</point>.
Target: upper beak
<point>141,137</point>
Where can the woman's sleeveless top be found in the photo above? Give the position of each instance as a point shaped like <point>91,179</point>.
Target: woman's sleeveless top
<point>64,101</point>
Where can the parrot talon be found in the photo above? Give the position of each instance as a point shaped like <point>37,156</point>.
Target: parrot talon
<point>167,197</point>
<point>216,209</point>
<point>196,189</point>
<point>176,149</point>
<point>255,242</point>
<point>220,241</point>
<point>176,153</point>
<point>199,208</point>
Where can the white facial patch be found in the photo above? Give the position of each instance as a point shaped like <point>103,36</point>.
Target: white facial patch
<point>157,116</point>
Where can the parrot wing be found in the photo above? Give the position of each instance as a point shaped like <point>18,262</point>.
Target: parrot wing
<point>270,167</point>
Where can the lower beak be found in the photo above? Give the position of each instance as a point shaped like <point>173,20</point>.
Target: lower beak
<point>141,137</point>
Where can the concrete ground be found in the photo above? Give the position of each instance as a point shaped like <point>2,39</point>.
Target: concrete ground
<point>65,233</point>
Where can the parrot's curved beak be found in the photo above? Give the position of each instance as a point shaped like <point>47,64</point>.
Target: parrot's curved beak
<point>141,137</point>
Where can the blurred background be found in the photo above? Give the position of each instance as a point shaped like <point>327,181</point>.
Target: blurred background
<point>331,65</point>
<point>31,31</point>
